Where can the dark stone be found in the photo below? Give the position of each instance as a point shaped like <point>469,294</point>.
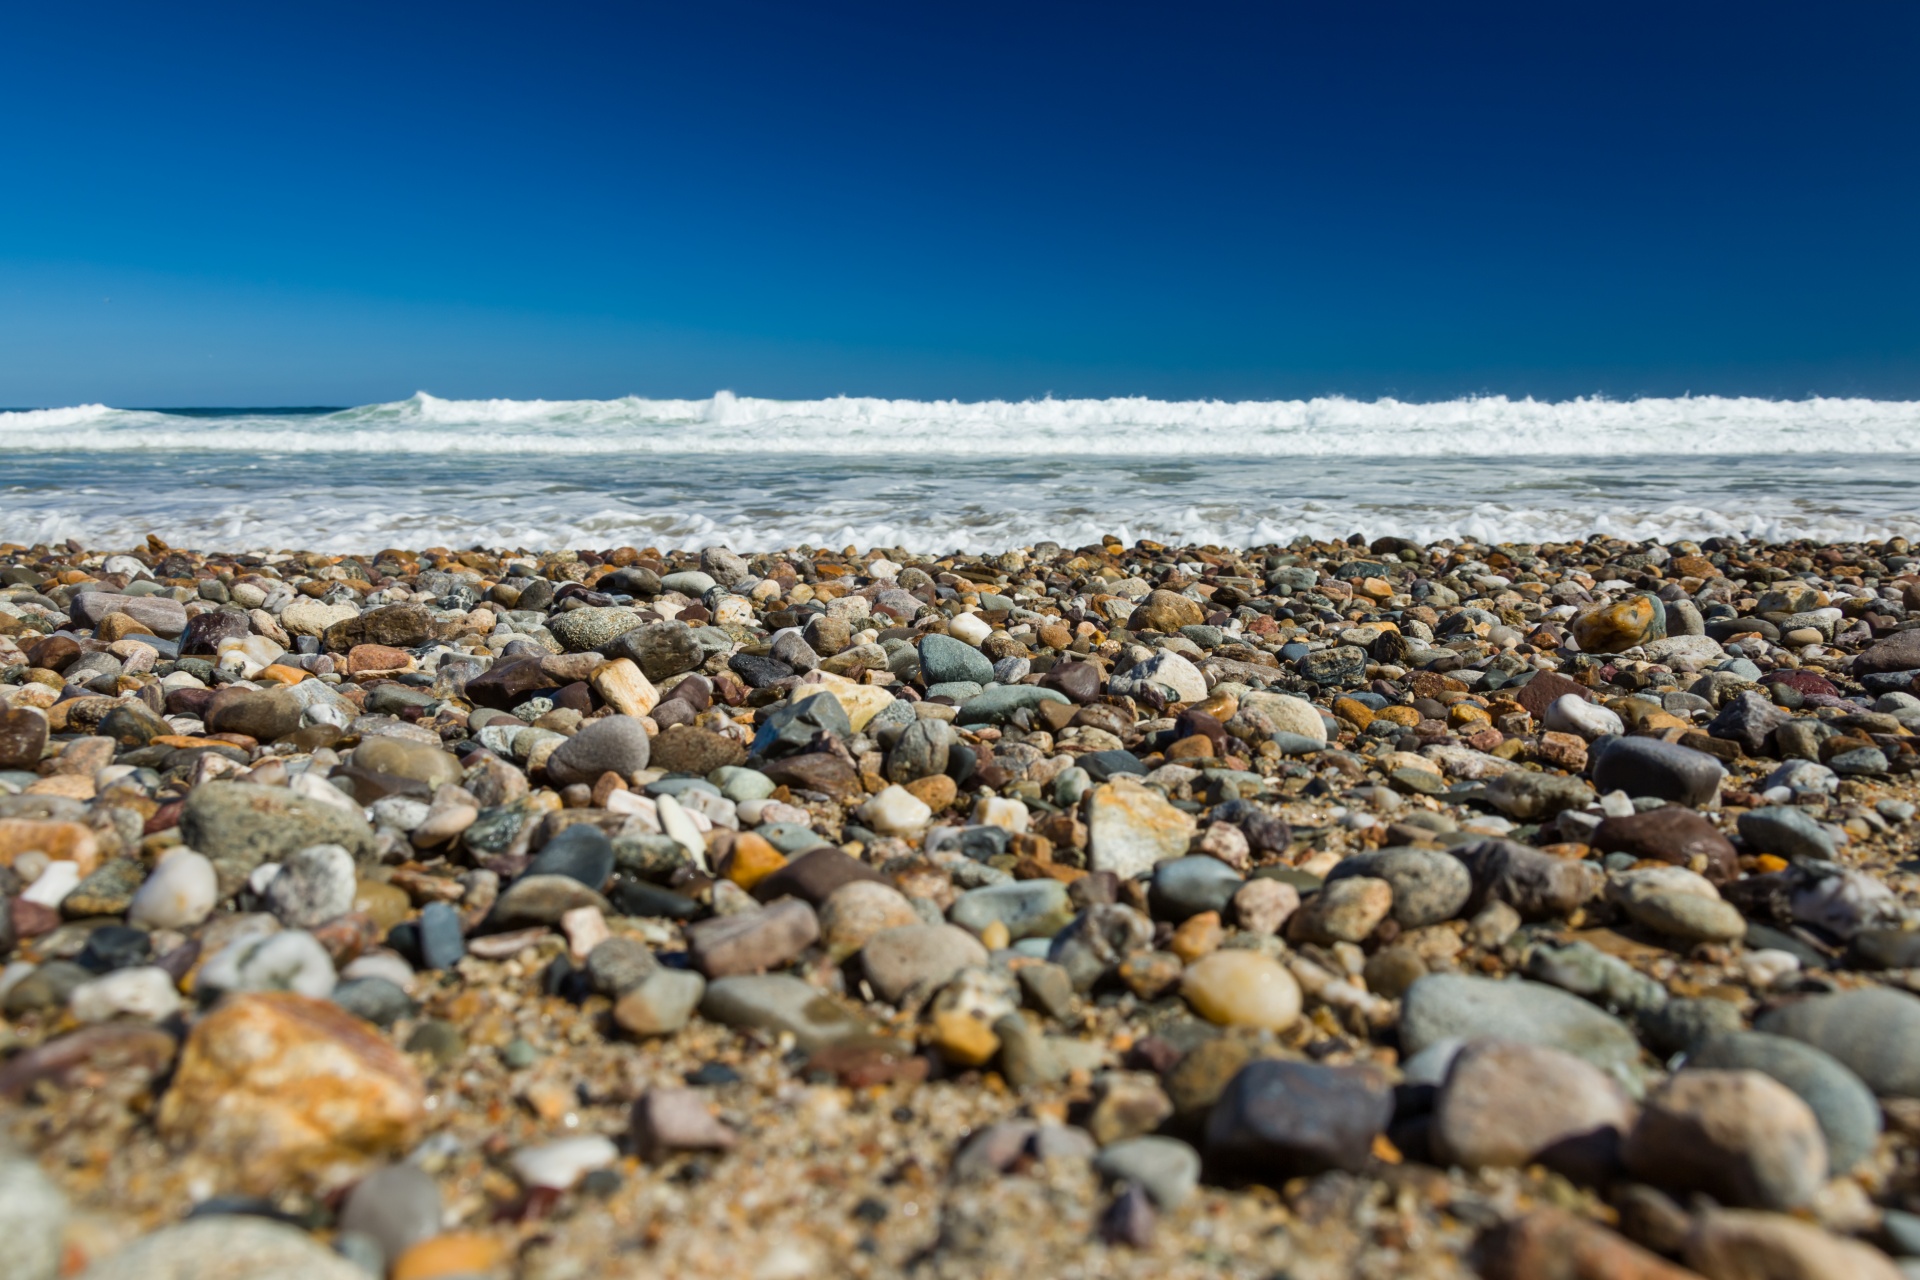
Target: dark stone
<point>944,660</point>
<point>397,626</point>
<point>1898,652</point>
<point>1545,689</point>
<point>204,632</point>
<point>638,898</point>
<point>818,771</point>
<point>1103,765</point>
<point>440,940</point>
<point>814,875</point>
<point>1650,767</point>
<point>759,672</point>
<point>791,726</point>
<point>115,947</point>
<point>582,852</point>
<point>1278,1120</point>
<point>23,736</point>
<point>1537,885</point>
<point>659,649</point>
<point>1079,682</point>
<point>507,683</point>
<point>1341,666</point>
<point>1749,720</point>
<point>1670,834</point>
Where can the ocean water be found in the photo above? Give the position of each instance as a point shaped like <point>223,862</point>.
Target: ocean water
<point>951,475</point>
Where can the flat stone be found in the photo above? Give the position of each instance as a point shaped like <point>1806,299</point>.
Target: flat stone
<point>918,957</point>
<point>1026,908</point>
<point>1131,828</point>
<point>944,659</point>
<point>397,1207</point>
<point>1166,1168</point>
<point>1748,1245</point>
<point>1670,834</point>
<point>240,825</point>
<point>814,875</point>
<point>1537,885</point>
<point>225,1247</point>
<point>778,1002</point>
<point>534,900</point>
<point>1293,1119</point>
<point>1786,831</point>
<point>1190,886</point>
<point>661,1003</point>
<point>1446,1006</point>
<point>1553,1242</point>
<point>1649,767</point>
<point>752,941</point>
<point>581,852</point>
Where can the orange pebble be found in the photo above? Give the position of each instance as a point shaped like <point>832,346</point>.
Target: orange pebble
<point>457,1254</point>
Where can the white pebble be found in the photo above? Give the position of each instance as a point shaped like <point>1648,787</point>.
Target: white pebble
<point>1000,811</point>
<point>1572,713</point>
<point>144,992</point>
<point>1766,967</point>
<point>895,811</point>
<point>382,963</point>
<point>51,887</point>
<point>561,1164</point>
<point>290,961</point>
<point>177,894</point>
<point>969,627</point>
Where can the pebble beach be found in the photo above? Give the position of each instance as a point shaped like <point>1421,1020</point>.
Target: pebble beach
<point>1369,906</point>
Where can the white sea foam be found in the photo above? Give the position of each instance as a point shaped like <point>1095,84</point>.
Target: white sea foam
<point>1488,426</point>
<point>947,475</point>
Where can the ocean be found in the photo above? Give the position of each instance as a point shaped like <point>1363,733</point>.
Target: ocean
<point>935,476</point>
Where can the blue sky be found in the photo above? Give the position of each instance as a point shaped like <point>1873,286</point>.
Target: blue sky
<point>248,204</point>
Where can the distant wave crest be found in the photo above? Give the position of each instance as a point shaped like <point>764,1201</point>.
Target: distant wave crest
<point>1329,427</point>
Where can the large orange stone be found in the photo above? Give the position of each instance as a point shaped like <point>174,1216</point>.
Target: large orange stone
<point>277,1090</point>
<point>461,1253</point>
<point>60,841</point>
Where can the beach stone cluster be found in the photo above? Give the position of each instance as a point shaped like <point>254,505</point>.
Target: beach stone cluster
<point>1321,909</point>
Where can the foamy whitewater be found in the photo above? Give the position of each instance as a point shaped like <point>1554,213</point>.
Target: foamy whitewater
<point>951,475</point>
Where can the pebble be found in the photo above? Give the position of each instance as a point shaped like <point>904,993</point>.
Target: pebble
<point>617,744</point>
<point>1427,886</point>
<point>561,1165</point>
<point>225,1247</point>
<point>1242,989</point>
<point>1292,1119</point>
<point>1506,1105</point>
<point>397,1207</point>
<point>1746,1245</point>
<point>312,886</point>
<point>32,1215</point>
<point>1025,908</point>
<point>1648,767</point>
<point>1447,1006</point>
<point>1131,828</point>
<point>918,957</point>
<point>292,961</point>
<point>1848,1116</point>
<point>1874,1033</point>
<point>660,1003</point>
<point>146,992</point>
<point>277,1089</point>
<point>1167,1169</point>
<point>778,1002</point>
<point>581,853</point>
<point>1184,887</point>
<point>1345,910</point>
<point>756,941</point>
<point>1786,831</point>
<point>667,1119</point>
<point>1739,1136</point>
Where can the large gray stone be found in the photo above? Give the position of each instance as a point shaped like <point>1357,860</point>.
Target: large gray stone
<point>1841,1102</point>
<point>1445,1006</point>
<point>1875,1033</point>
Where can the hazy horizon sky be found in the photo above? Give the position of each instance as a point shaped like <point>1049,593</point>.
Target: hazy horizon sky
<point>228,204</point>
